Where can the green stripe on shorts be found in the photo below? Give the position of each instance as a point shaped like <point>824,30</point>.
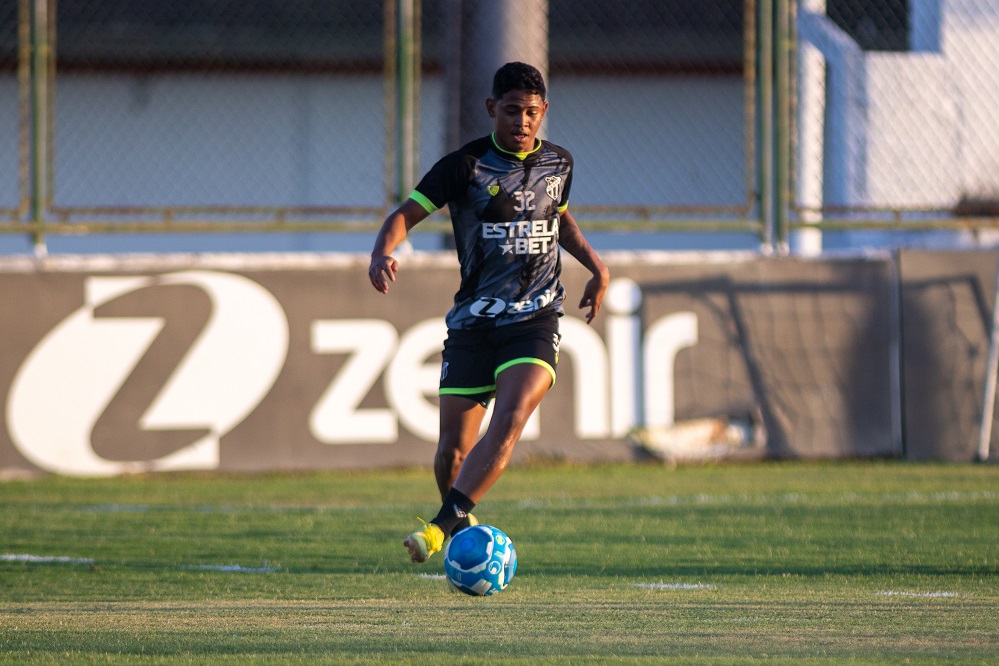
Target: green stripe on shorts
<point>528,359</point>
<point>466,391</point>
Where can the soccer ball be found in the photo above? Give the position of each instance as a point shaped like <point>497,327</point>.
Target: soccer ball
<point>480,560</point>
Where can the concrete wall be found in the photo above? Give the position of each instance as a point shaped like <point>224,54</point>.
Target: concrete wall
<point>946,308</point>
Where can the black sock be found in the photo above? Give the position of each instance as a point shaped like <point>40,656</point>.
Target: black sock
<point>454,512</point>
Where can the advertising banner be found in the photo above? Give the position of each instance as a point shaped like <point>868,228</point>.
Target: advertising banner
<point>260,363</point>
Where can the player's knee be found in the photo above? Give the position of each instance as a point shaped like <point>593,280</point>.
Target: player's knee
<point>450,454</point>
<point>512,418</point>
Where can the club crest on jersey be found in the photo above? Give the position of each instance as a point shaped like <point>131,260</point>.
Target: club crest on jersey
<point>493,190</point>
<point>554,187</point>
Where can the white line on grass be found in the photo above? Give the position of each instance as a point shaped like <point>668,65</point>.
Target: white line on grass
<point>918,594</point>
<point>117,508</point>
<point>758,499</point>
<point>782,499</point>
<point>45,559</point>
<point>431,576</point>
<point>676,586</point>
<point>748,499</point>
<point>230,567</point>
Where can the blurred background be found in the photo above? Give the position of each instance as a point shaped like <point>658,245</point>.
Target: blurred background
<point>251,125</point>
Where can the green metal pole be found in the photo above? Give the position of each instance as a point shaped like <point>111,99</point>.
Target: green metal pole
<point>39,120</point>
<point>782,116</point>
<point>389,61</point>
<point>406,96</point>
<point>24,109</point>
<point>766,120</point>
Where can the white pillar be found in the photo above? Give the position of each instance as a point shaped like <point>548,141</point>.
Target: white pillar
<point>811,141</point>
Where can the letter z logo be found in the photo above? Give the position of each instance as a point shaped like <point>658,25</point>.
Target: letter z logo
<point>82,364</point>
<point>487,307</point>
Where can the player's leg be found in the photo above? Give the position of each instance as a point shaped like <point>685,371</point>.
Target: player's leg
<point>519,390</point>
<point>467,383</point>
<point>460,421</point>
<point>523,357</point>
<point>526,355</point>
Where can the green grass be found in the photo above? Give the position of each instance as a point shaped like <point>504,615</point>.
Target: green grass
<point>796,563</point>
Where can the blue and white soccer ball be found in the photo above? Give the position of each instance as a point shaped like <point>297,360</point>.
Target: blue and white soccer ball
<point>480,560</point>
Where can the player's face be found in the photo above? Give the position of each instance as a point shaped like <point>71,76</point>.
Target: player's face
<point>518,116</point>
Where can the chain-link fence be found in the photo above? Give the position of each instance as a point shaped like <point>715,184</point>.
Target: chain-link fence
<point>897,116</point>
<point>259,115</point>
<point>762,116</point>
<point>10,162</point>
<point>655,99</point>
<point>188,108</point>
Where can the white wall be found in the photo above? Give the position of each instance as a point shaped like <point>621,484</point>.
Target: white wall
<point>652,141</point>
<point>971,45</point>
<point>915,129</point>
<point>130,140</point>
<point>218,140</point>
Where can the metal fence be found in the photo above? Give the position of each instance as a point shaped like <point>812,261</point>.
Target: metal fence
<point>767,117</point>
<point>894,112</point>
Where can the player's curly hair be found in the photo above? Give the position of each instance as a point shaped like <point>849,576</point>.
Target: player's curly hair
<point>518,76</point>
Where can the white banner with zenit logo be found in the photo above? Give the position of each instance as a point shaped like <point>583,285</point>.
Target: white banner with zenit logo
<point>301,365</point>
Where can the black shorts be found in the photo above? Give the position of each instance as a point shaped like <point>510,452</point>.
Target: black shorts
<point>473,358</point>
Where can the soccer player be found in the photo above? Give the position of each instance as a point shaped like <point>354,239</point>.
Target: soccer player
<point>508,196</point>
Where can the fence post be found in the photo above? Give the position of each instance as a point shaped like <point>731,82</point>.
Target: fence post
<point>765,92</point>
<point>782,121</point>
<point>402,98</point>
<point>40,126</point>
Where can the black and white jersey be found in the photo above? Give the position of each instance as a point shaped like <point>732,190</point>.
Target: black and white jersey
<point>505,212</point>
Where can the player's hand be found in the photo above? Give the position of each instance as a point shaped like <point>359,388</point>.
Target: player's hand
<point>593,295</point>
<point>382,271</point>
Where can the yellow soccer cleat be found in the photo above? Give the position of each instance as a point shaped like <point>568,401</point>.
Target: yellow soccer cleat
<point>424,542</point>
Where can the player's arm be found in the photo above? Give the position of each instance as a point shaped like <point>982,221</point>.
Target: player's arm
<point>394,230</point>
<point>570,237</point>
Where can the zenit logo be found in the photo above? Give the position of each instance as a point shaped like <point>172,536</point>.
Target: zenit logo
<point>226,370</point>
<point>539,302</point>
<point>488,307</point>
<point>492,307</point>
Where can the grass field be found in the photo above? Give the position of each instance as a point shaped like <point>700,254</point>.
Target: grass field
<point>803,563</point>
